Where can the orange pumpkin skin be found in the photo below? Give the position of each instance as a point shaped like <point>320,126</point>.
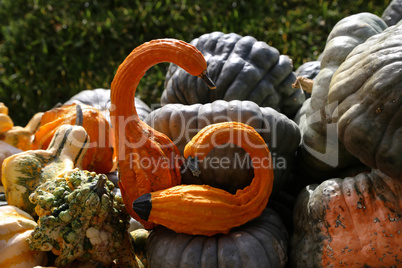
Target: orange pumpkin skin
<point>353,222</point>
<point>136,142</point>
<point>100,154</point>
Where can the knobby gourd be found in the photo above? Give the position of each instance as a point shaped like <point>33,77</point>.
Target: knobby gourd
<point>320,154</point>
<point>15,227</point>
<point>100,154</point>
<point>22,173</point>
<point>147,159</point>
<point>228,167</point>
<point>350,222</point>
<point>243,69</point>
<point>80,219</point>
<point>205,210</point>
<point>262,242</point>
<point>368,111</point>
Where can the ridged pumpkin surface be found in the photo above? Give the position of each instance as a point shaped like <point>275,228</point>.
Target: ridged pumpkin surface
<point>100,153</point>
<point>6,122</point>
<point>367,89</point>
<point>260,243</point>
<point>351,222</point>
<point>243,69</point>
<point>320,155</point>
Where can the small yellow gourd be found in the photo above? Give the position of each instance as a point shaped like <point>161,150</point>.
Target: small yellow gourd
<point>5,121</point>
<point>3,108</point>
<point>15,227</point>
<point>22,137</point>
<point>19,137</point>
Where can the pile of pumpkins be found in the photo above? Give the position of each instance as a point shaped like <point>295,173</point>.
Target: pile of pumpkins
<point>240,167</point>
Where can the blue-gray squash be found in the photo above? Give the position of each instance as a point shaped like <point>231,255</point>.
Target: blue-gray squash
<point>261,242</point>
<point>367,89</point>
<point>228,166</point>
<point>242,68</point>
<point>321,155</point>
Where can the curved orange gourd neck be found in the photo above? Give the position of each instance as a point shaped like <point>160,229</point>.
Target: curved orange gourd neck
<point>141,59</point>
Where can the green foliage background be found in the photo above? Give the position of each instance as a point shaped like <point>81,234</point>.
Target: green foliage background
<point>51,50</point>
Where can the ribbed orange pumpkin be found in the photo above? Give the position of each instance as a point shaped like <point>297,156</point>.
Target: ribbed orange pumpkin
<point>100,154</point>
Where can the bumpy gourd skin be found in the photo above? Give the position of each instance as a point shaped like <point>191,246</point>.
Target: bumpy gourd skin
<point>80,218</point>
<point>206,210</point>
<point>135,140</point>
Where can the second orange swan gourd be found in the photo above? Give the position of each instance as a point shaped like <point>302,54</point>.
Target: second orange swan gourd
<point>205,210</point>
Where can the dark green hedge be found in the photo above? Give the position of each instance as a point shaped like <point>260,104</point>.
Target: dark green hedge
<point>50,50</point>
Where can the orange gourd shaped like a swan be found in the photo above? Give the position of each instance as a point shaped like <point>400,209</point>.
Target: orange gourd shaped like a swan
<point>147,159</point>
<point>205,210</point>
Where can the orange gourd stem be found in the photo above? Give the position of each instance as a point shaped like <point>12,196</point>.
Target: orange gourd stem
<point>147,159</point>
<point>205,210</point>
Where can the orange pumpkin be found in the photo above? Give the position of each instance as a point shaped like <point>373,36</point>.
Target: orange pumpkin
<point>350,222</point>
<point>100,154</point>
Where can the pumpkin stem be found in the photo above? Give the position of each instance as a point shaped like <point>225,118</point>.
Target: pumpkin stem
<point>304,84</point>
<point>99,186</point>
<point>80,117</point>
<point>192,164</point>
<point>207,79</point>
